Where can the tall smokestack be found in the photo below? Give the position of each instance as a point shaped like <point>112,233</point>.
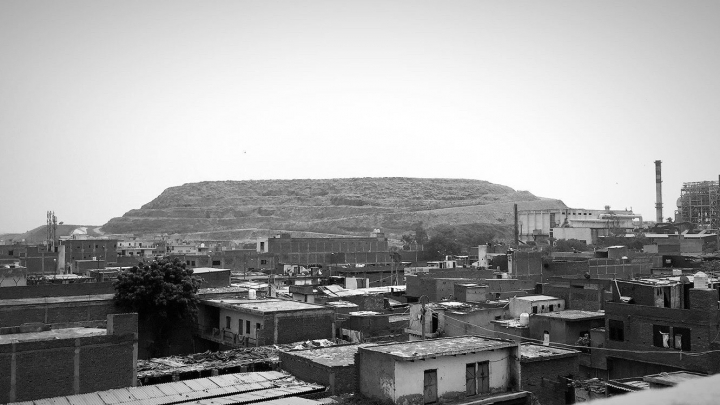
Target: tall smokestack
<point>658,192</point>
<point>517,234</point>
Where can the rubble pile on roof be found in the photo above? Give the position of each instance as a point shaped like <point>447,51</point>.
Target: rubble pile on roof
<point>594,385</point>
<point>153,370</point>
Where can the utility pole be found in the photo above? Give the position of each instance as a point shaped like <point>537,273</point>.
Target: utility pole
<point>423,300</point>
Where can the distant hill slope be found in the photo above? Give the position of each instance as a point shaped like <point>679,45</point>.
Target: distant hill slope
<point>39,234</point>
<point>248,209</point>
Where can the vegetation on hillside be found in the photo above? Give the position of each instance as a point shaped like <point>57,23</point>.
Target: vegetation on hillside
<point>456,240</point>
<point>334,206</point>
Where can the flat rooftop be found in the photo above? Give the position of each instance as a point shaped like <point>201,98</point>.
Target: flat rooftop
<point>53,334</point>
<point>333,356</point>
<point>219,290</point>
<point>56,300</point>
<point>422,349</point>
<point>533,352</point>
<point>264,305</point>
<point>341,304</point>
<point>534,298</point>
<point>672,378</point>
<point>573,315</point>
<point>465,307</point>
<point>200,270</point>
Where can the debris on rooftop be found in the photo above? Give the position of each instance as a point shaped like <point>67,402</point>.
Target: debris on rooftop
<point>261,358</point>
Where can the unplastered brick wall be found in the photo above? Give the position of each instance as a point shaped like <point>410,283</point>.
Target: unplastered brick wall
<point>49,368</point>
<point>375,302</point>
<point>57,312</point>
<point>304,325</point>
<point>56,290</point>
<point>565,268</point>
<point>546,378</point>
<point>339,379</point>
<point>639,343</point>
<point>577,298</point>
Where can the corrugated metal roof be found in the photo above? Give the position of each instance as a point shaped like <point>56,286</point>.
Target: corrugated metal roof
<point>255,386</point>
<point>266,396</point>
<point>290,401</point>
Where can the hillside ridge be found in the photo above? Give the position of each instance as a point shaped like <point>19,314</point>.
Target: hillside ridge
<point>355,206</point>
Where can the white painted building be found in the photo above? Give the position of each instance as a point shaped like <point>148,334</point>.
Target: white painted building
<point>574,223</point>
<point>440,370</point>
<point>535,304</point>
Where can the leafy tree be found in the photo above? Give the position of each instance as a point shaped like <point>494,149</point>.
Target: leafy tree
<point>442,244</point>
<point>635,243</point>
<point>570,245</point>
<point>712,266</point>
<point>407,240</point>
<point>421,235</point>
<point>163,293</point>
<point>471,235</point>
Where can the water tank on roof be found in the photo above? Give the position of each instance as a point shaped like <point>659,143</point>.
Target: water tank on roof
<point>701,280</point>
<point>252,294</point>
<point>524,319</point>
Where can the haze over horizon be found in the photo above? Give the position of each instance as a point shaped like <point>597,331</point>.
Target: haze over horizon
<point>103,105</point>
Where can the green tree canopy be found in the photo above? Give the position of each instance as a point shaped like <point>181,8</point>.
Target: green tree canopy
<point>712,266</point>
<point>421,236</point>
<point>570,245</point>
<point>163,293</point>
<point>163,288</point>
<point>442,244</point>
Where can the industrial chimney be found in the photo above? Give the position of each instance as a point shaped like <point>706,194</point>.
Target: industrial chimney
<point>658,192</point>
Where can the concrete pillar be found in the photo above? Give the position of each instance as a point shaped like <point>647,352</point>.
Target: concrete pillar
<point>13,374</point>
<point>76,371</point>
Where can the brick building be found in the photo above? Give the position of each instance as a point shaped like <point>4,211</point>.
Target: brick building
<point>213,278</point>
<point>90,249</point>
<point>434,288</point>
<point>258,322</point>
<point>580,293</point>
<point>37,259</point>
<point>438,284</point>
<point>546,371</point>
<point>327,251</point>
<point>44,362</point>
<point>333,367</point>
<point>450,318</point>
<point>56,303</point>
<point>238,260</point>
<point>565,328</point>
<point>654,321</point>
<point>137,248</point>
<point>370,326</point>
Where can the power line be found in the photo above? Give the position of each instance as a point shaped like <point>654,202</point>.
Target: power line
<point>681,353</point>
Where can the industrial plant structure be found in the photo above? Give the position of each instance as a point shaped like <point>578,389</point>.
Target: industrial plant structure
<point>575,223</point>
<point>699,203</point>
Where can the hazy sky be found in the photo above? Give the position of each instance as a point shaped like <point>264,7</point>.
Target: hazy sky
<point>105,104</point>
